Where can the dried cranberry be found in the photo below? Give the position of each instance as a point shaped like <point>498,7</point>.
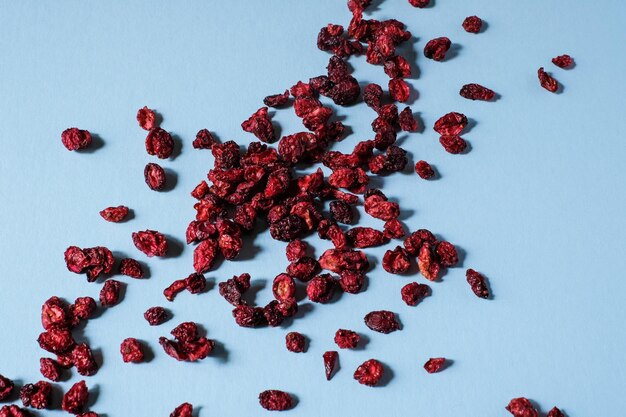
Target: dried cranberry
<point>419,3</point>
<point>434,365</point>
<point>436,48</point>
<point>547,81</point>
<point>341,212</point>
<point>339,260</point>
<point>114,214</point>
<point>347,339</point>
<point>13,411</point>
<point>521,407</point>
<point>93,261</point>
<point>296,249</point>
<point>277,100</point>
<point>200,191</point>
<point>146,118</point>
<point>284,288</point>
<point>382,321</point>
<point>477,92</point>
<point>275,400</point>
<point>413,293</point>
<point>372,95</point>
<point>36,395</point>
<point>156,315</point>
<point>424,170</point>
<point>83,360</point>
<point>204,255</point>
<point>428,265</point>
<point>321,288</point>
<point>233,288</point>
<point>273,313</point>
<point>369,372</point>
<point>82,309</point>
<point>49,368</point>
<point>295,342</point>
<point>330,363</point>
<point>204,140</point>
<point>287,229</point>
<point>303,269</point>
<point>397,67</point>
<point>131,350</point>
<point>74,139</point>
<point>110,293</point>
<point>563,61</point>
<point>396,261</point>
<point>555,412</point>
<point>413,243</point>
<point>192,350</point>
<point>260,125</point>
<point>56,341</point>
<point>446,252</point>
<point>6,387</point>
<point>472,24</point>
<point>453,144</point>
<point>246,316</point>
<point>75,398</point>
<point>155,177</point>
<point>393,229</point>
<point>365,237</point>
<point>183,410</point>
<point>399,89</point>
<point>407,121</point>
<point>54,314</point>
<point>477,283</point>
<point>150,242</point>
<point>450,124</point>
<point>185,332</point>
<point>159,143</point>
<point>131,268</point>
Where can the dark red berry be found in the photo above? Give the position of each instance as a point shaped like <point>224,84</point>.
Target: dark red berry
<point>131,268</point>
<point>36,395</point>
<point>183,410</point>
<point>419,3</point>
<point>399,89</point>
<point>146,118</point>
<point>156,315</point>
<point>159,143</point>
<point>436,48</point>
<point>131,350</point>
<point>347,339</point>
<point>555,412</point>
<point>277,100</point>
<point>203,140</point>
<point>75,139</point>
<point>547,81</point>
<point>563,61</point>
<point>369,373</point>
<point>434,365</point>
<point>150,242</point>
<point>453,144</point>
<point>450,124</point>
<point>396,261</point>
<point>49,368</point>
<point>521,407</point>
<point>155,177</point>
<point>110,293</point>
<point>477,283</point>
<point>275,400</point>
<point>114,214</point>
<point>330,363</point>
<point>424,170</point>
<point>75,398</point>
<point>412,293</point>
<point>6,387</point>
<point>295,342</point>
<point>472,24</point>
<point>382,321</point>
<point>477,92</point>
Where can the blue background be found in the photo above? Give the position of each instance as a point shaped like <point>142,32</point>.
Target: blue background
<point>537,205</point>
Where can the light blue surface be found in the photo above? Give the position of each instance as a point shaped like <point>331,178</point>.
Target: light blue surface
<point>538,204</point>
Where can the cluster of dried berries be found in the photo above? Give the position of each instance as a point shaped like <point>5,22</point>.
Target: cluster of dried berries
<point>546,80</point>
<point>522,407</point>
<point>188,345</point>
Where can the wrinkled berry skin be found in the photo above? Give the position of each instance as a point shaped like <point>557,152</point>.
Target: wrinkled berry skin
<point>555,412</point>
<point>110,293</point>
<point>246,316</point>
<point>369,373</point>
<point>424,170</point>
<point>150,242</point>
<point>472,24</point>
<point>563,61</point>
<point>295,342</point>
<point>57,341</point>
<point>399,90</point>
<point>6,387</point>
<point>396,261</point>
<point>75,398</point>
<point>146,118</point>
<point>347,339</point>
<point>114,214</point>
<point>75,139</point>
<point>159,143</point>
<point>49,368</point>
<point>131,350</point>
<point>36,395</point>
<point>412,293</point>
<point>93,261</point>
<point>436,49</point>
<point>434,365</point>
<point>382,321</point>
<point>341,212</point>
<point>131,268</point>
<point>477,92</point>
<point>277,100</point>
<point>13,411</point>
<point>477,283</point>
<point>330,363</point>
<point>450,124</point>
<point>547,81</point>
<point>275,400</point>
<point>453,144</point>
<point>154,176</point>
<point>521,407</point>
<point>284,287</point>
<point>83,360</point>
<point>203,140</point>
<point>156,316</point>
<point>183,410</point>
<point>321,288</point>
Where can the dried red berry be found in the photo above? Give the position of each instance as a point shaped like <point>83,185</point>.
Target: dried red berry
<point>321,288</point>
<point>131,350</point>
<point>146,118</point>
<point>54,314</point>
<point>82,309</point>
<point>295,342</point>
<point>260,125</point>
<point>275,400</point>
<point>341,212</point>
<point>369,372</point>
<point>446,253</point>
<point>436,48</point>
<point>183,410</point>
<point>284,288</point>
<point>277,100</point>
<point>453,144</point>
<point>477,283</point>
<point>188,346</point>
<point>424,170</point>
<point>74,139</point>
<point>56,341</point>
<point>477,92</point>
<point>347,339</point>
<point>351,282</point>
<point>450,124</point>
<point>393,229</point>
<point>428,265</point>
<point>330,363</point>
<point>419,3</point>
<point>13,411</point>
<point>110,293</point>
<point>382,321</point>
<point>339,260</point>
<point>49,368</point>
<point>296,249</point>
<point>555,412</point>
<point>377,206</point>
<point>399,90</point>
<point>413,293</point>
<point>396,261</point>
<point>156,315</point>
<point>155,177</point>
<point>93,261</point>
<point>6,387</point>
<point>406,120</point>
<point>194,283</point>
<point>303,269</point>
<point>434,365</point>
<point>472,24</point>
<point>75,398</point>
<point>246,316</point>
<point>563,61</point>
<point>204,255</point>
<point>83,360</point>
<point>131,268</point>
<point>372,95</point>
<point>397,67</point>
<point>365,237</point>
<point>547,81</point>
<point>287,229</point>
<point>521,407</point>
<point>159,143</point>
<point>114,214</point>
<point>233,288</point>
<point>203,140</point>
<point>150,242</point>
<point>36,395</point>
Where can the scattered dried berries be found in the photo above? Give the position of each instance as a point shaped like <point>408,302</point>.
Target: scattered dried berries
<point>369,373</point>
<point>555,412</point>
<point>563,61</point>
<point>155,177</point>
<point>434,365</point>
<point>150,242</point>
<point>146,118</point>
<point>114,214</point>
<point>477,92</point>
<point>156,315</point>
<point>132,350</point>
<point>36,395</point>
<point>275,400</point>
<point>183,410</point>
<point>75,398</point>
<point>330,363</point>
<point>424,170</point>
<point>472,24</point>
<point>295,342</point>
<point>347,339</point>
<point>382,321</point>
<point>110,293</point>
<point>521,407</point>
<point>75,139</point>
<point>159,143</point>
<point>547,81</point>
<point>436,48</point>
<point>6,387</point>
<point>412,293</point>
<point>477,283</point>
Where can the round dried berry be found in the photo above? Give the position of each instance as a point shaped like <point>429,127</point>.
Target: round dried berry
<point>204,140</point>
<point>131,268</point>
<point>74,139</point>
<point>296,249</point>
<point>303,269</point>
<point>563,61</point>
<point>159,143</point>
<point>446,252</point>
<point>6,387</point>
<point>396,261</point>
<point>453,144</point>
<point>155,177</point>
<point>156,315</point>
<point>412,293</point>
<point>521,407</point>
<point>436,48</point>
<point>246,316</point>
<point>110,293</point>
<point>114,214</point>
<point>275,400</point>
<point>434,365</point>
<point>372,95</point>
<point>321,288</point>
<point>284,288</point>
<point>295,342</point>
<point>351,282</point>
<point>82,309</point>
<point>83,360</point>
<point>50,369</point>
<point>399,90</point>
<point>424,170</point>
<point>382,321</point>
<point>472,24</point>
<point>369,373</point>
<point>347,339</point>
<point>450,124</point>
<point>131,350</point>
<point>76,398</point>
<point>150,242</point>
<point>341,212</point>
<point>146,118</point>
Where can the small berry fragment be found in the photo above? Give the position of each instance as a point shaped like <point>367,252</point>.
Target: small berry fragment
<point>183,410</point>
<point>555,412</point>
<point>330,363</point>
<point>146,118</point>
<point>434,365</point>
<point>6,387</point>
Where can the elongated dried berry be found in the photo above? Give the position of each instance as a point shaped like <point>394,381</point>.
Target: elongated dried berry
<point>203,140</point>
<point>36,395</point>
<point>365,237</point>
<point>472,24</point>
<point>83,360</point>
<point>434,365</point>
<point>372,95</point>
<point>555,412</point>
<point>563,61</point>
<point>159,143</point>
<point>396,261</point>
<point>419,3</point>
<point>260,125</point>
<point>477,283</point>
<point>453,144</point>
<point>6,387</point>
<point>397,67</point>
<point>521,407</point>
<point>450,124</point>
<point>436,48</point>
<point>275,400</point>
<point>146,118</point>
<point>424,170</point>
<point>110,293</point>
<point>57,341</point>
<point>204,255</point>
<point>369,373</point>
<point>547,81</point>
<point>114,214</point>
<point>477,92</point>
<point>150,242</point>
<point>412,293</point>
<point>406,120</point>
<point>399,90</point>
<point>295,342</point>
<point>183,410</point>
<point>156,315</point>
<point>347,339</point>
<point>75,398</point>
<point>131,350</point>
<point>277,100</point>
<point>382,321</point>
<point>330,363</point>
<point>50,369</point>
<point>154,176</point>
<point>75,139</point>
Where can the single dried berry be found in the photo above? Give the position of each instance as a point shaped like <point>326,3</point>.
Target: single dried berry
<point>450,124</point>
<point>56,341</point>
<point>369,372</point>
<point>424,170</point>
<point>146,118</point>
<point>50,369</point>
<point>204,255</point>
<point>399,90</point>
<point>521,407</point>
<point>427,263</point>
<point>393,229</point>
<point>295,342</point>
<point>397,67</point>
<point>555,412</point>
<point>406,120</point>
<point>246,316</point>
<point>330,363</point>
<point>547,81</point>
<point>351,282</point>
<point>372,95</point>
<point>379,207</point>
<point>114,214</point>
<point>412,293</point>
<point>419,3</point>
<point>434,365</point>
<point>156,315</point>
<point>453,144</point>
<point>76,398</point>
<point>174,289</point>
<point>340,260</point>
<point>365,237</point>
<point>155,177</point>
<point>382,321</point>
<point>287,229</point>
<point>131,350</point>
<point>82,309</point>
<point>260,125</point>
<point>477,92</point>
<point>477,283</point>
<point>74,139</point>
<point>296,249</point>
<point>284,288</point>
<point>13,411</point>
<point>83,360</point>
<point>131,268</point>
<point>277,100</point>
<point>36,395</point>
<point>6,387</point>
<point>275,400</point>
<point>446,253</point>
<point>188,346</point>
<point>110,293</point>
<point>563,61</point>
<point>341,212</point>
<point>396,261</point>
<point>436,48</point>
<point>472,24</point>
<point>303,269</point>
<point>233,288</point>
<point>93,261</point>
<point>321,288</point>
<point>159,143</point>
<point>183,410</point>
<point>347,339</point>
<point>150,242</point>
<point>203,140</point>
<point>54,314</point>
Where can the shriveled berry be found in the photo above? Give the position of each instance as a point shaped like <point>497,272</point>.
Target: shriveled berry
<point>233,288</point>
<point>154,176</point>
<point>406,120</point>
<point>372,95</point>
<point>369,373</point>
<point>339,260</point>
<point>287,229</point>
<point>341,212</point>
<point>36,395</point>
<point>246,316</point>
<point>450,124</point>
<point>382,321</point>
<point>427,263</point>
<point>296,249</point>
<point>275,400</point>
<point>110,293</point>
<point>436,48</point>
<point>156,315</point>
<point>75,139</point>
<point>330,363</point>
<point>55,314</point>
<point>204,255</point>
<point>82,309</point>
<point>150,242</point>
<point>555,412</point>
<point>146,118</point>
<point>412,293</point>
<point>453,144</point>
<point>284,288</point>
<point>365,237</point>
<point>446,253</point>
<point>6,387</point>
<point>131,350</point>
<point>260,125</point>
<point>424,170</point>
<point>83,360</point>
<point>303,269</point>
<point>56,341</point>
<point>547,81</point>
<point>277,100</point>
<point>114,214</point>
<point>434,365</point>
<point>472,24</point>
<point>413,243</point>
<point>397,67</point>
<point>396,261</point>
<point>477,283</point>
<point>477,92</point>
<point>13,411</point>
<point>75,398</point>
<point>399,89</point>
<point>295,342</point>
<point>521,407</point>
<point>563,61</point>
<point>321,288</point>
<point>159,143</point>
<point>131,268</point>
<point>49,368</point>
<point>203,140</point>
<point>347,339</point>
<point>419,3</point>
<point>93,261</point>
<point>183,410</point>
